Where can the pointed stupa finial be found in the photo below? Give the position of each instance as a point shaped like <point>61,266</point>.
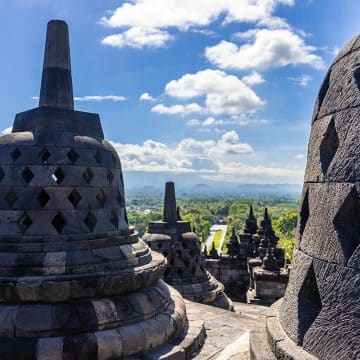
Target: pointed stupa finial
<point>251,212</point>
<point>250,222</point>
<point>266,214</point>
<point>213,252</point>
<point>56,84</point>
<point>170,211</point>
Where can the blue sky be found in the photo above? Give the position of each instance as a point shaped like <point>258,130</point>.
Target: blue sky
<point>220,90</point>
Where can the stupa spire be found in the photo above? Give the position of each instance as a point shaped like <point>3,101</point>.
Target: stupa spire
<point>56,84</point>
<point>170,211</point>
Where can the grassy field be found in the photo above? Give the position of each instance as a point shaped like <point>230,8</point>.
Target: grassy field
<point>217,239</point>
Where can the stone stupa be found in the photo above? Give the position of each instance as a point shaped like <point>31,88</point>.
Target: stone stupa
<point>76,282</point>
<point>185,270</point>
<point>319,316</point>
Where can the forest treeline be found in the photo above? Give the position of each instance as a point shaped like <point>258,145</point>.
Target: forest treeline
<point>202,212</point>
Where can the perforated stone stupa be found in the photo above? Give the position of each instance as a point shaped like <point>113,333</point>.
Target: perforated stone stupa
<point>320,312</point>
<point>76,282</point>
<point>186,265</point>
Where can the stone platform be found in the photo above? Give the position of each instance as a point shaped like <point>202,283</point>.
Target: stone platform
<point>215,334</point>
<point>271,342</point>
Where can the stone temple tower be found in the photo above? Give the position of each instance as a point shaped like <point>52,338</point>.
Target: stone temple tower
<point>186,264</point>
<point>320,312</point>
<point>76,282</point>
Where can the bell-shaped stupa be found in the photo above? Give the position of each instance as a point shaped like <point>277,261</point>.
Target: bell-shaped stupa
<point>76,282</point>
<point>319,316</point>
<point>185,270</point>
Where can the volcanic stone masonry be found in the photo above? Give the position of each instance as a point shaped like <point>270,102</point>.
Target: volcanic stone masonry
<point>76,282</point>
<point>186,266</point>
<point>319,316</point>
<point>246,272</point>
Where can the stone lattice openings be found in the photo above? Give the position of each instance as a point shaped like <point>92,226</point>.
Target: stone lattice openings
<point>321,308</point>
<point>75,281</point>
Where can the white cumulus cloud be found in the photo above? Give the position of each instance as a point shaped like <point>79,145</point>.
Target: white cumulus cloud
<point>115,98</point>
<point>146,97</point>
<point>147,22</point>
<point>253,79</point>
<point>138,37</point>
<point>177,109</point>
<point>225,159</point>
<point>224,93</point>
<point>264,49</point>
<point>302,80</point>
<point>193,122</point>
<point>189,155</point>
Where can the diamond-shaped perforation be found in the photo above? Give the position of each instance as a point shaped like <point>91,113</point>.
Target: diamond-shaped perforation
<point>72,155</point>
<point>15,154</point>
<point>11,197</point>
<point>347,224</point>
<point>90,221</point>
<point>44,155</point>
<point>357,77</point>
<point>98,157</point>
<point>58,176</point>
<point>88,175</point>
<point>74,197</point>
<point>101,197</point>
<point>304,213</point>
<point>27,175</point>
<point>328,146</point>
<point>24,222</point>
<point>114,218</point>
<point>110,176</point>
<point>309,303</point>
<point>58,222</point>
<point>114,160</point>
<point>119,198</point>
<point>324,89</point>
<point>43,198</point>
<point>2,174</point>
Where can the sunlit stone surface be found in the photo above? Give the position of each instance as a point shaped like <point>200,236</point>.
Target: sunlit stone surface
<point>75,281</point>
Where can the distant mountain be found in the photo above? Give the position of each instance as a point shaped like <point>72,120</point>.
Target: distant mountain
<point>193,184</point>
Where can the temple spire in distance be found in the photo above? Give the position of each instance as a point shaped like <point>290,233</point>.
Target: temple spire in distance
<point>170,211</point>
<point>56,84</point>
